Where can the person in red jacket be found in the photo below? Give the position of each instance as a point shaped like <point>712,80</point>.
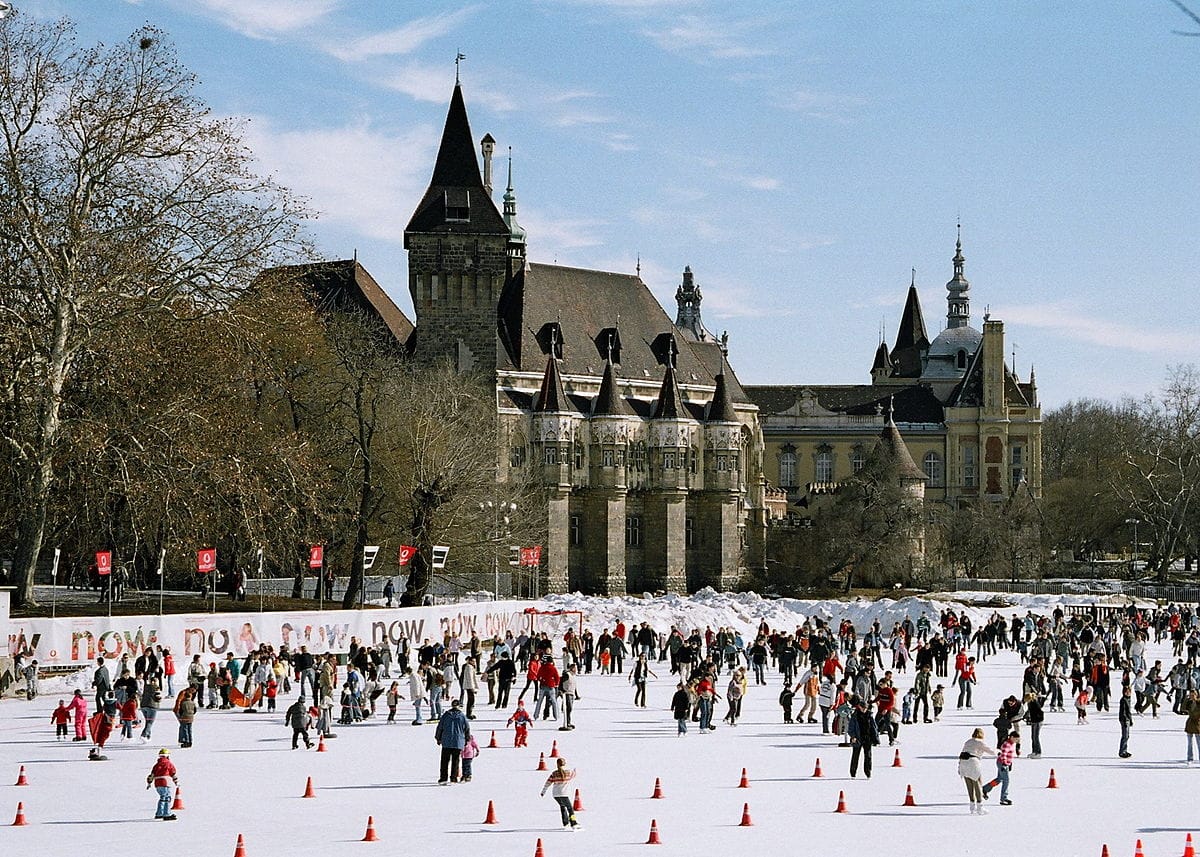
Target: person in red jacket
<point>129,715</point>
<point>523,721</point>
<point>60,718</point>
<point>885,720</point>
<point>531,678</point>
<point>161,776</point>
<point>547,697</point>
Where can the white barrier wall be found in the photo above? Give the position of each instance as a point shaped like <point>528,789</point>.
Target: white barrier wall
<point>81,639</point>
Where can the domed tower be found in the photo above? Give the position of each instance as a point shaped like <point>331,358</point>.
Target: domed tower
<point>951,351</point>
<point>612,426</point>
<point>723,484</point>
<point>554,424</point>
<point>673,459</point>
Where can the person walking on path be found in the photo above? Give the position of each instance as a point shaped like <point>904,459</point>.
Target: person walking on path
<point>1035,715</point>
<point>968,768</point>
<point>102,682</point>
<point>1004,761</point>
<point>300,720</point>
<point>557,782</point>
<point>523,723</point>
<point>1125,719</point>
<point>161,776</point>
<point>637,677</point>
<point>681,706</point>
<point>966,681</point>
<point>864,735</point>
<point>453,732</point>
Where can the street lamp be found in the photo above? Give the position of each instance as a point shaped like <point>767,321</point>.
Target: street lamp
<point>500,512</point>
<point>1135,523</point>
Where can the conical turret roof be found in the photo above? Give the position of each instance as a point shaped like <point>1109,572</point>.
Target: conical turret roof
<point>891,448</point>
<point>670,404</point>
<point>720,409</point>
<point>552,398</point>
<point>609,401</point>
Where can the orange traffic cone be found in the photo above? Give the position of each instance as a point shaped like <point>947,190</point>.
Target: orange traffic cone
<point>908,797</point>
<point>542,762</point>
<point>240,851</point>
<point>658,792</point>
<point>653,840</point>
<point>492,744</point>
<point>538,852</point>
<point>308,789</point>
<point>21,781</point>
<point>817,769</point>
<point>490,818</point>
<point>841,807</point>
<point>1188,850</point>
<point>1104,850</point>
<point>578,805</point>
<point>1137,849</point>
<point>19,821</point>
<point>370,837</point>
<point>1053,784</point>
<point>746,822</point>
<point>554,750</point>
<point>745,782</point>
<point>896,761</point>
<point>178,804</point>
<point>321,744</point>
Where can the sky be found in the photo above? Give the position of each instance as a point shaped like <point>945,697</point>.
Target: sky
<point>802,158</point>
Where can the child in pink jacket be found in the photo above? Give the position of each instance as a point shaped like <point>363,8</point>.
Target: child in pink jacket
<point>469,751</point>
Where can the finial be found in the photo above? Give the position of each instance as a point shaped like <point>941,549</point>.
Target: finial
<point>958,230</point>
<point>458,59</point>
<point>510,187</point>
<point>891,409</point>
<point>914,277</point>
<point>638,269</point>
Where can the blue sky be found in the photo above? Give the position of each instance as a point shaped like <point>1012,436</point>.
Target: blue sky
<point>801,157</point>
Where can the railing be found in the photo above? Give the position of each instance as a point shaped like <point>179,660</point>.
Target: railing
<point>1177,593</point>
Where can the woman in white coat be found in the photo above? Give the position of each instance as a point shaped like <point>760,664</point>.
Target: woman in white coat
<point>968,768</point>
<point>416,692</point>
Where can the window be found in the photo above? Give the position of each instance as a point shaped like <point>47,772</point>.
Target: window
<point>1016,459</point>
<point>824,468</point>
<point>516,456</point>
<point>668,461</point>
<point>579,456</point>
<point>550,455</point>
<point>694,460</point>
<point>639,456</point>
<point>458,205</point>
<point>933,468</point>
<point>633,531</point>
<point>787,470</point>
<point>970,470</point>
<point>576,531</point>
<point>961,361</point>
<point>435,281</point>
<point>608,457</point>
<point>689,532</point>
<point>858,459</point>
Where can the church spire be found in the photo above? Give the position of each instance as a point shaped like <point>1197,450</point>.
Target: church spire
<point>688,298</point>
<point>958,312</point>
<point>516,235</point>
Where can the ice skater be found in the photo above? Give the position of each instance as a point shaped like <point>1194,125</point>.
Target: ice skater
<point>161,776</point>
<point>557,782</point>
<point>968,768</point>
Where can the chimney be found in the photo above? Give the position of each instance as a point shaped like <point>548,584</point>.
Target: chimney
<point>487,145</point>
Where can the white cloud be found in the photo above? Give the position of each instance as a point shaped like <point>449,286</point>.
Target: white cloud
<point>761,182</point>
<point>400,40</point>
<point>263,19</point>
<point>1069,322</point>
<point>356,176</point>
<point>827,106</point>
<point>711,37</point>
<point>554,237</point>
<point>432,84</point>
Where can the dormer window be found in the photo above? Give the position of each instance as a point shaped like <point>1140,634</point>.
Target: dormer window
<point>961,360</point>
<point>458,205</point>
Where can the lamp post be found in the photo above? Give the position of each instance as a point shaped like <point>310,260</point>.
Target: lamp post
<point>162,556</point>
<point>261,581</point>
<point>501,512</point>
<point>1135,522</point>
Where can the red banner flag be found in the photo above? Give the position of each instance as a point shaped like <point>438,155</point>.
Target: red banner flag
<point>407,552</point>
<point>104,562</point>
<point>316,556</point>
<point>206,560</point>
<point>531,556</point>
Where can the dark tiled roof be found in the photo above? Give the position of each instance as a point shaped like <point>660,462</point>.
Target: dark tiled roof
<point>456,182</point>
<point>882,360</point>
<point>345,284</point>
<point>552,398</point>
<point>669,405</point>
<point>911,338</point>
<point>894,451</point>
<point>720,409</point>
<point>969,391</point>
<point>585,303</point>
<point>913,404</point>
<point>609,401</point>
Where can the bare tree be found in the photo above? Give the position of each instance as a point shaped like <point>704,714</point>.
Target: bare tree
<point>119,195</point>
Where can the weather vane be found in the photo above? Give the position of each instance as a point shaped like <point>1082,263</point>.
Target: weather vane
<point>458,59</point>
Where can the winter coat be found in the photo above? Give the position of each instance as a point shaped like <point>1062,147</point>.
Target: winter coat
<point>469,679</point>
<point>862,728</point>
<point>471,748</point>
<point>975,749</point>
<point>681,704</point>
<point>453,730</point>
<point>416,687</point>
<point>163,773</point>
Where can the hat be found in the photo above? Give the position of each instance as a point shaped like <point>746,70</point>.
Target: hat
<point>164,752</point>
<point>520,703</point>
<point>301,699</point>
<point>454,703</point>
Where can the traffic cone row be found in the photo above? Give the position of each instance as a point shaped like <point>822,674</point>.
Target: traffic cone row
<point>538,852</point>
<point>1188,850</point>
<point>554,750</point>
<point>308,789</point>
<point>658,792</point>
<point>745,782</point>
<point>896,761</point>
<point>542,762</point>
<point>321,744</point>
<point>240,850</point>
<point>746,822</point>
<point>370,836</point>
<point>578,805</point>
<point>1137,849</point>
<point>653,840</point>
<point>908,797</point>
<point>492,745</point>
<point>841,807</point>
<point>19,821</point>
<point>1053,784</point>
<point>178,804</point>
<point>490,818</point>
<point>21,781</point>
<point>817,769</point>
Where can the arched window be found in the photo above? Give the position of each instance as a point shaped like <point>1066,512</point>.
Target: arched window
<point>962,359</point>
<point>824,466</point>
<point>787,469</point>
<point>858,459</point>
<point>933,467</point>
<point>970,465</point>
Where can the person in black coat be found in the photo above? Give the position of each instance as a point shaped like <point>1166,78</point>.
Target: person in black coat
<point>506,674</point>
<point>864,735</point>
<point>681,707</point>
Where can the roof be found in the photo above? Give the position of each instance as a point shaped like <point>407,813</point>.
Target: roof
<point>913,404</point>
<point>669,405</point>
<point>882,360</point>
<point>609,401</point>
<point>968,393</point>
<point>720,409</point>
<point>894,451</point>
<point>456,183</point>
<point>588,306</point>
<point>345,284</point>
<point>552,398</point>
<point>911,338</point>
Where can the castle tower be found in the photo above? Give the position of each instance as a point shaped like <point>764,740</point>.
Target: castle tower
<point>457,246</point>
<point>611,428</point>
<point>723,484</point>
<point>958,311</point>
<point>673,456</point>
<point>553,434</point>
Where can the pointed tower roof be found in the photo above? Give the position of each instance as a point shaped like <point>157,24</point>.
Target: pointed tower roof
<point>609,401</point>
<point>893,449</point>
<point>670,404</point>
<point>720,409</point>
<point>456,200</point>
<point>958,313</point>
<point>516,234</point>
<point>882,360</point>
<point>552,398</point>
<point>912,322</point>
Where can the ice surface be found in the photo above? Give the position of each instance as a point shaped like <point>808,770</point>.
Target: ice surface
<point>241,776</point>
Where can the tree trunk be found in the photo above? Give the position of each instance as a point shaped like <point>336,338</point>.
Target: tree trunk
<point>420,574</point>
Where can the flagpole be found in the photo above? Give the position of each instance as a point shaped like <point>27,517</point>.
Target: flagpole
<point>54,584</point>
<point>261,580</point>
<point>161,580</point>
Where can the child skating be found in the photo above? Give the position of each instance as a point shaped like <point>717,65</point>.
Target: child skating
<point>557,781</point>
<point>523,722</point>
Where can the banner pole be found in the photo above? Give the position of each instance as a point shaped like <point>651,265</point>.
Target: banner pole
<point>161,579</point>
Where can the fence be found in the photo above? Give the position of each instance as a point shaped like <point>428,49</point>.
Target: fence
<point>1176,593</point>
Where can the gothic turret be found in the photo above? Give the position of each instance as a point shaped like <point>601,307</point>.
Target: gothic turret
<point>516,235</point>
<point>687,319</point>
<point>958,313</point>
<point>554,426</point>
<point>881,368</point>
